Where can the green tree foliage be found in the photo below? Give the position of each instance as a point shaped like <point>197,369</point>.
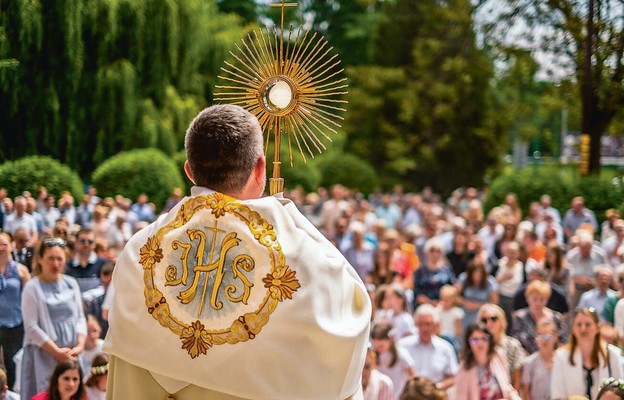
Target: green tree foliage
<point>600,193</point>
<point>585,38</point>
<point>29,173</point>
<point>246,9</point>
<point>131,173</point>
<point>82,80</point>
<point>421,113</point>
<point>347,24</point>
<point>531,110</point>
<point>349,170</point>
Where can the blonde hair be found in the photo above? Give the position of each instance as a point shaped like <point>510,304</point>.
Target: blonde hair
<point>496,310</point>
<point>540,288</point>
<point>450,291</point>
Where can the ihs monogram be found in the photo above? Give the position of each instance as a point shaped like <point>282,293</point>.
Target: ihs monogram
<point>241,261</point>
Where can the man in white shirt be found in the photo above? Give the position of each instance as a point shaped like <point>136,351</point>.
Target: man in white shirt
<point>21,219</point>
<point>434,357</point>
<point>233,296</point>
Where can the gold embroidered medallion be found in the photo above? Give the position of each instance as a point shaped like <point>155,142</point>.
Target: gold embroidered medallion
<point>211,272</point>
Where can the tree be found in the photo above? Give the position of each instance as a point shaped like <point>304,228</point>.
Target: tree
<point>585,37</point>
<point>421,114</point>
<point>81,80</point>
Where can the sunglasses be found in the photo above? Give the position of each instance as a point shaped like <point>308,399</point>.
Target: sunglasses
<point>545,337</point>
<point>485,320</point>
<point>52,242</point>
<point>477,340</point>
<point>85,241</point>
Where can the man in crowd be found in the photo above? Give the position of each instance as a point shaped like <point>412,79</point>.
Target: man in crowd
<point>597,297</point>
<point>433,356</point>
<point>280,314</point>
<point>21,219</point>
<point>576,216</point>
<point>582,261</point>
<point>86,265</point>
<point>22,252</point>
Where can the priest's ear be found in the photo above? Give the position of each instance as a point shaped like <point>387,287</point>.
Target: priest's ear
<point>187,170</point>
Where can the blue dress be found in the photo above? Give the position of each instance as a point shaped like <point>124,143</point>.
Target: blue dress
<point>38,364</point>
<point>476,294</point>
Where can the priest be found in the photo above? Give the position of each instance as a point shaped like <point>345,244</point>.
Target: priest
<point>232,295</point>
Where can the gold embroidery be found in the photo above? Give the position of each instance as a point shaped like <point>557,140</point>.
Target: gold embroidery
<point>280,282</point>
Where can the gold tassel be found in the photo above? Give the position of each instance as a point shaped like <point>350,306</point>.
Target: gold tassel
<point>170,397</point>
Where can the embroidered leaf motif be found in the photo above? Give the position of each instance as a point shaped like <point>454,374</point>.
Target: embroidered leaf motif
<point>195,339</point>
<point>150,254</point>
<point>282,283</point>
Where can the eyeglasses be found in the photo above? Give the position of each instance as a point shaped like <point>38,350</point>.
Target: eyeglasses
<point>545,337</point>
<point>485,320</point>
<point>477,340</point>
<point>85,241</point>
<point>52,242</point>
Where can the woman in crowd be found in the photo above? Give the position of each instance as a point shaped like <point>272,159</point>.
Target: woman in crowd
<point>54,321</point>
<point>476,288</point>
<point>611,389</point>
<point>431,276</point>
<point>13,277</point>
<point>509,276</point>
<point>483,372</point>
<point>393,362</point>
<point>509,236</point>
<point>492,317</point>
<point>421,388</point>
<point>525,320</point>
<point>555,264</point>
<point>382,274</point>
<point>460,255</point>
<point>393,311</point>
<point>97,380</point>
<point>538,366</point>
<point>65,383</point>
<point>581,364</point>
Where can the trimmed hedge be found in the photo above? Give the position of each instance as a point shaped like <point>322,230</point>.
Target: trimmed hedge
<point>600,193</point>
<point>29,173</point>
<point>131,173</point>
<point>349,170</point>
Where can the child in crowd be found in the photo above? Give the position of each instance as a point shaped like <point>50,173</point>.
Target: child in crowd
<point>376,385</point>
<point>611,389</point>
<point>65,383</point>
<point>393,310</point>
<point>393,362</point>
<point>451,316</point>
<point>98,378</point>
<point>93,342</point>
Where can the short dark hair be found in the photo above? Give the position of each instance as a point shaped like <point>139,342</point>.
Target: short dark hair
<point>61,367</point>
<point>223,144</point>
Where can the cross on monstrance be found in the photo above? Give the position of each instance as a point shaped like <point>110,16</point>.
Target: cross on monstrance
<point>291,87</point>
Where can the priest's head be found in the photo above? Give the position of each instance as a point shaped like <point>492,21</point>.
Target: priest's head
<point>224,152</point>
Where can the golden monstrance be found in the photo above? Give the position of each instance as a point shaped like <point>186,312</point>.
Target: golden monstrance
<point>291,86</point>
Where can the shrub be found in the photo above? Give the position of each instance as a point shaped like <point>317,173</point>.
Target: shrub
<point>600,193</point>
<point>133,172</point>
<point>179,158</point>
<point>349,170</point>
<point>29,173</point>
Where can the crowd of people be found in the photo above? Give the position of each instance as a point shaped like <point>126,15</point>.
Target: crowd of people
<point>466,305</point>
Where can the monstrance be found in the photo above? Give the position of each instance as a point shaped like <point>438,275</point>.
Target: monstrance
<point>292,87</point>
